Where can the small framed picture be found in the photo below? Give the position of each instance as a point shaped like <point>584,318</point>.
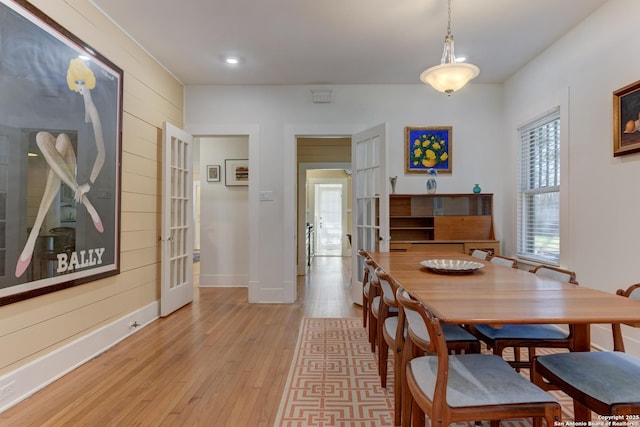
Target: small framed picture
<point>213,173</point>
<point>236,172</point>
<point>626,120</point>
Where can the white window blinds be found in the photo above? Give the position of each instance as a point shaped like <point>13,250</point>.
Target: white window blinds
<point>539,192</point>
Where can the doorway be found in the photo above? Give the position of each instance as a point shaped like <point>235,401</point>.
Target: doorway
<point>329,209</point>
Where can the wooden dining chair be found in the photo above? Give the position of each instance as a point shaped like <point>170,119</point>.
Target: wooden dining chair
<point>529,336</point>
<point>480,254</point>
<point>387,322</point>
<point>559,274</point>
<point>458,341</point>
<point>365,287</point>
<point>391,335</point>
<point>468,387</point>
<point>375,296</point>
<point>606,382</point>
<point>504,261</point>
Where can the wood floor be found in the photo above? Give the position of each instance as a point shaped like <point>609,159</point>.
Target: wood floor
<point>216,362</point>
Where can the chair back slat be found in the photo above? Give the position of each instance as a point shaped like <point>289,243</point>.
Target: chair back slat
<point>504,261</point>
<point>555,273</point>
<point>416,324</point>
<point>388,286</point>
<point>480,254</point>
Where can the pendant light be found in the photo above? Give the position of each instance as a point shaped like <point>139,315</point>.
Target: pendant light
<point>450,75</point>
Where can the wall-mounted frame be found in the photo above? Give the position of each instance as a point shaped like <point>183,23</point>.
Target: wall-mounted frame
<point>626,120</point>
<point>213,173</point>
<point>236,172</point>
<point>428,148</point>
<point>60,154</point>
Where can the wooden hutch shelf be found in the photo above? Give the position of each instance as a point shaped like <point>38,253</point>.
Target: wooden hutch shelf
<point>442,222</point>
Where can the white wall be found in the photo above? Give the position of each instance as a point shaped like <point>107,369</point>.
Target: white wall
<point>600,199</point>
<point>602,204</point>
<point>283,112</point>
<point>224,216</point>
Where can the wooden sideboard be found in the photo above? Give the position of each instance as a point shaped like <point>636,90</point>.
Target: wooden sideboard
<point>442,222</point>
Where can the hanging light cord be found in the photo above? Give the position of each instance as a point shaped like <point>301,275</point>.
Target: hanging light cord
<point>449,24</point>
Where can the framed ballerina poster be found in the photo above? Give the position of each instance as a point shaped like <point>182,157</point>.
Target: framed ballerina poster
<point>60,143</point>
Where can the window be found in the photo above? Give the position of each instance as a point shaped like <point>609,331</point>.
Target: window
<point>539,190</point>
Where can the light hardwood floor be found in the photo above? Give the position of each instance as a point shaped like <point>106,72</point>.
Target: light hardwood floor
<point>216,362</point>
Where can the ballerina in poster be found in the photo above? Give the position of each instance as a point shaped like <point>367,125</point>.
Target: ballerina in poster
<point>61,159</point>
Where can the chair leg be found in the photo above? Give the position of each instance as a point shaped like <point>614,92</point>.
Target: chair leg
<point>407,397</point>
<point>383,356</point>
<point>398,379</point>
<point>373,333</point>
<point>418,416</point>
<point>365,311</point>
<point>373,330</point>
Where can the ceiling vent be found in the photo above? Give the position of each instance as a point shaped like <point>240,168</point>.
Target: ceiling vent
<point>322,96</point>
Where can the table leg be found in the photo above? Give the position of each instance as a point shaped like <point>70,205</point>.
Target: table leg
<point>582,342</point>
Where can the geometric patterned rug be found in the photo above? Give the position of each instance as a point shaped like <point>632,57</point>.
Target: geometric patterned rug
<point>333,381</point>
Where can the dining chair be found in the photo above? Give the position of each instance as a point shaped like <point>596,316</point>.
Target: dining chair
<point>530,336</point>
<point>375,296</point>
<point>606,382</point>
<point>387,322</point>
<point>365,287</point>
<point>504,261</point>
<point>391,334</point>
<point>458,341</point>
<point>559,274</point>
<point>480,254</point>
<point>467,387</point>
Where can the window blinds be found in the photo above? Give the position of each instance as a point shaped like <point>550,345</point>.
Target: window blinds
<point>539,190</point>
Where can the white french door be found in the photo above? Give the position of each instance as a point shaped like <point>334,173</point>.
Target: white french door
<point>177,220</point>
<point>370,200</point>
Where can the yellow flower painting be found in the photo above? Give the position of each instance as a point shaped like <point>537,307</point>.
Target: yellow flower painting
<point>428,148</point>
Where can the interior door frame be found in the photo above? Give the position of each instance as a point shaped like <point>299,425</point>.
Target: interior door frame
<point>343,182</point>
<point>252,131</point>
<point>300,191</point>
<point>290,156</point>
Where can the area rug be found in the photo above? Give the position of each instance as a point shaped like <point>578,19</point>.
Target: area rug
<point>333,381</point>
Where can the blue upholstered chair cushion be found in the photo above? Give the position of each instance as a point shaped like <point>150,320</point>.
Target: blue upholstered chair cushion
<point>477,380</point>
<point>540,332</point>
<point>451,332</point>
<point>609,376</point>
<point>456,333</point>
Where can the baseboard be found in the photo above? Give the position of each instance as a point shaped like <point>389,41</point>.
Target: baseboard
<point>28,379</point>
<point>224,280</point>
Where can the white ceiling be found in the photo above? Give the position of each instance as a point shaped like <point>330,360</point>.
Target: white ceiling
<point>340,41</point>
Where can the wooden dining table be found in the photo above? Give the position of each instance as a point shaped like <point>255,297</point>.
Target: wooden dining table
<point>498,295</point>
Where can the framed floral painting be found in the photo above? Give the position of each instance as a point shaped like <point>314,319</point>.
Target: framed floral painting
<point>428,148</point>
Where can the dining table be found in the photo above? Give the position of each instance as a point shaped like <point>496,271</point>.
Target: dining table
<point>497,295</point>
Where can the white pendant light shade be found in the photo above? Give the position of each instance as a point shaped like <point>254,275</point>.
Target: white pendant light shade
<point>450,75</point>
<point>448,78</point>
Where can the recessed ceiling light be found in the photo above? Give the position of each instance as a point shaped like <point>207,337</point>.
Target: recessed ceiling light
<point>231,60</point>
